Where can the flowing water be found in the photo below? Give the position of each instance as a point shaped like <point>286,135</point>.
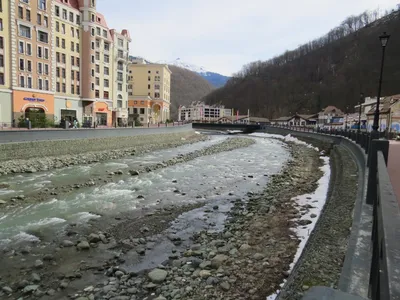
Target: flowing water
<point>223,176</point>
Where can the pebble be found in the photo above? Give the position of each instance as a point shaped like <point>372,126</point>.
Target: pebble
<point>157,275</point>
<point>225,286</point>
<point>7,289</point>
<point>38,264</point>
<point>67,243</point>
<point>35,277</point>
<point>83,245</point>
<point>30,288</point>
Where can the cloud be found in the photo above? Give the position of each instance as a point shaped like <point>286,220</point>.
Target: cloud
<point>223,35</point>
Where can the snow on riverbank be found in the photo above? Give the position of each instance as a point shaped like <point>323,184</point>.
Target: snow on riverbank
<point>287,138</point>
<point>316,202</point>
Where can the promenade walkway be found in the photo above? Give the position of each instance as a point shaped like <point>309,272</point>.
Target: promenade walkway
<point>394,167</point>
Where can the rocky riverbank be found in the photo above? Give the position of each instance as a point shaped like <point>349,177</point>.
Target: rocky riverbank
<point>227,145</point>
<point>122,147</point>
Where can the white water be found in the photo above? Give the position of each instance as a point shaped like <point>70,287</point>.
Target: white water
<point>203,177</point>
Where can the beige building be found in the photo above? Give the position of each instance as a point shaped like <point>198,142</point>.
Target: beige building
<point>67,101</point>
<point>5,64</point>
<point>149,92</point>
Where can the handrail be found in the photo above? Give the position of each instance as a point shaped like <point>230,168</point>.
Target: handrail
<point>384,283</point>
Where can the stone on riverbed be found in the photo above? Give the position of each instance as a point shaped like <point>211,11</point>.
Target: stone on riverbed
<point>30,288</point>
<point>83,246</point>
<point>218,260</point>
<point>158,275</point>
<point>67,243</point>
<point>94,238</point>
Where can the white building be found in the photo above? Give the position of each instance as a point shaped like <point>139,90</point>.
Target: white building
<point>200,112</point>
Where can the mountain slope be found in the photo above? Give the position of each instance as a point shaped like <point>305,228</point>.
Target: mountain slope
<point>215,79</point>
<point>186,87</point>
<point>332,70</point>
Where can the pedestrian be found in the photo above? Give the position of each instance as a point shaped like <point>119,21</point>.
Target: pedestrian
<point>75,123</point>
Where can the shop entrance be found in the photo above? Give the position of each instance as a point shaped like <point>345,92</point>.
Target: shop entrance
<point>36,115</point>
<point>68,115</point>
<point>101,119</point>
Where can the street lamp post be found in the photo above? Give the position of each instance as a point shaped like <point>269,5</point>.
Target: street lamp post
<point>359,113</point>
<point>384,38</point>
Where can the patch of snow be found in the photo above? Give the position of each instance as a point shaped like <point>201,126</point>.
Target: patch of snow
<point>181,64</point>
<point>317,200</point>
<point>234,131</point>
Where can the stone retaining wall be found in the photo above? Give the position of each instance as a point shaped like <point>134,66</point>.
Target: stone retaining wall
<point>27,150</point>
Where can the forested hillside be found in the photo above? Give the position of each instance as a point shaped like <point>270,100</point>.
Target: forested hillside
<point>331,70</point>
<point>186,87</point>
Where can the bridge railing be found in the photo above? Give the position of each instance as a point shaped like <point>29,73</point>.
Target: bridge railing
<point>384,276</point>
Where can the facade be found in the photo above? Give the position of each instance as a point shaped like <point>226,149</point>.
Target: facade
<point>5,65</point>
<point>149,93</point>
<point>60,61</point>
<point>67,25</point>
<point>389,114</point>
<point>200,112</point>
<point>331,116</point>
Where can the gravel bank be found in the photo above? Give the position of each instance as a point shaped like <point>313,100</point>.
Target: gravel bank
<point>323,257</point>
<point>45,155</point>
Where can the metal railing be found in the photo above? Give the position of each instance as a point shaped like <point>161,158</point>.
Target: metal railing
<point>384,282</point>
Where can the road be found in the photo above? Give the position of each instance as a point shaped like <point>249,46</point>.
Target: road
<point>71,134</point>
<point>394,167</point>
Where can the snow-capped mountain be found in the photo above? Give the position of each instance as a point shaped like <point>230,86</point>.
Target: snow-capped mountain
<point>215,79</point>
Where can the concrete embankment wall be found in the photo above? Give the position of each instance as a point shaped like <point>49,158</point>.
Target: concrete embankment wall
<point>100,140</point>
<point>355,271</point>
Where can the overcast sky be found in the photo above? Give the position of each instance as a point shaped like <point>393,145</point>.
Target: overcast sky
<point>223,35</point>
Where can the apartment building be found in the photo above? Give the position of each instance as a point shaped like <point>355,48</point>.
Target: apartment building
<point>5,65</point>
<point>149,91</point>
<point>67,28</point>
<point>120,71</point>
<point>59,59</point>
<point>32,53</point>
<point>199,111</point>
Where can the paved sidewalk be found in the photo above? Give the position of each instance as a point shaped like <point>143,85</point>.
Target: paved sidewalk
<point>394,167</point>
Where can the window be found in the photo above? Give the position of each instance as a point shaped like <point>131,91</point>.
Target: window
<point>57,42</point>
<point>25,31</point>
<point>58,87</point>
<point>106,83</point>
<point>1,42</point>
<point>92,86</point>
<point>92,72</point>
<point>28,49</point>
<point>77,75</point>
<point>21,47</point>
<point>58,57</point>
<point>105,33</point>
<point>120,87</point>
<point>46,69</point>
<point>29,83</point>
<point>98,30</point>
<point>63,58</point>
<point>40,84</point>
<point>78,61</point>
<point>148,78</point>
<point>149,72</point>
<point>97,81</point>
<point>42,4</point>
<point>63,73</point>
<point>63,28</point>
<point>106,46</point>
<point>97,44</point>
<point>57,26</point>
<point>58,72</point>
<point>1,24</point>
<point>21,64</point>
<point>43,36</point>
<point>64,88</point>
<point>46,21</point>
<point>93,32</point>
<point>57,11</point>
<point>142,111</point>
<point>77,47</point>
<point>106,58</point>
<point>63,43</point>
<point>71,17</point>
<point>39,19</point>
<point>46,53</point>
<point>28,15</point>
<point>120,54</point>
<point>93,17</point>
<point>93,3</point>
<point>29,65</point>
<point>77,33</point>
<point>106,71</point>
<point>92,59</point>
<point>72,46</point>
<point>1,61</point>
<point>46,84</point>
<point>72,89</point>
<point>120,42</point>
<point>22,81</point>
<point>92,45</point>
<point>77,89</point>
<point>157,78</point>
<point>72,32</point>
<point>120,76</point>
<point>105,95</point>
<point>20,12</point>
<point>97,55</point>
<point>148,86</point>
<point>97,68</point>
<point>72,61</point>
<point>40,51</point>
<point>64,14</point>
<point>156,95</point>
<point>40,68</point>
<point>1,78</point>
<point>72,74</point>
<point>97,94</point>
<point>78,19</point>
